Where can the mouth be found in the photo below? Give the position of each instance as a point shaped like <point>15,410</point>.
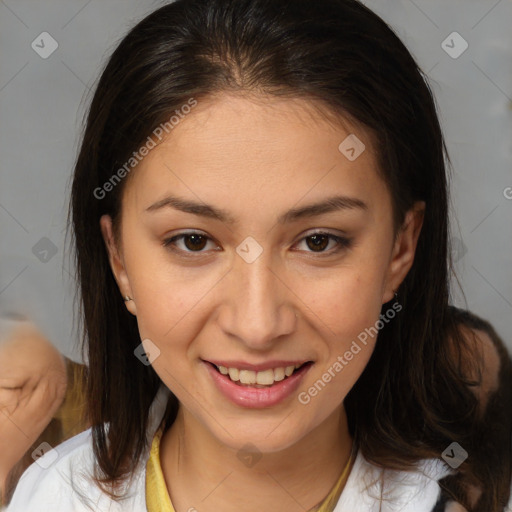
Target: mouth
<point>257,386</point>
<point>259,379</point>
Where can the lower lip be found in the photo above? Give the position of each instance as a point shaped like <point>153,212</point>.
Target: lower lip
<point>257,398</point>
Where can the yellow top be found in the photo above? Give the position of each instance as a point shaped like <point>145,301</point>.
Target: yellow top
<point>158,499</point>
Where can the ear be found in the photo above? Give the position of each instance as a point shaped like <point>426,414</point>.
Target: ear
<point>117,263</point>
<point>404,249</point>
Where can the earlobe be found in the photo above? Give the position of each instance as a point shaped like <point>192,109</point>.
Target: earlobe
<point>116,262</point>
<point>404,250</point>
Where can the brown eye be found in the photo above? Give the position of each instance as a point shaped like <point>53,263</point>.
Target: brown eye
<point>188,243</point>
<point>318,242</point>
<point>194,242</point>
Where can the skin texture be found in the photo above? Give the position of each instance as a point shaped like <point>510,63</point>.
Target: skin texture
<point>32,387</point>
<point>257,159</point>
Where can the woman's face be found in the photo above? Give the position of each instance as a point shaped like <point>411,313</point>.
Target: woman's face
<point>221,252</point>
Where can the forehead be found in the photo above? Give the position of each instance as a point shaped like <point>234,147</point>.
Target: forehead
<point>258,151</point>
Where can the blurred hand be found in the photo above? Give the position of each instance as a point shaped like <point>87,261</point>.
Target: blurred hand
<point>32,387</point>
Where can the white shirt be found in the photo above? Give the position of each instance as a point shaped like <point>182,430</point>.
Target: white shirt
<point>63,484</point>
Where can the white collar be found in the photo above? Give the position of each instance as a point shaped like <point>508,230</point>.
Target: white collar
<point>401,491</point>
<point>404,491</point>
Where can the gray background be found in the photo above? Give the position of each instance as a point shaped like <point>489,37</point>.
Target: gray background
<point>42,102</point>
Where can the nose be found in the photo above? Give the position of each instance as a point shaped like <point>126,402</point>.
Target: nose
<point>258,305</point>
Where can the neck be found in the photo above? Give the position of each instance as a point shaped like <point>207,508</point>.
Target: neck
<point>202,473</point>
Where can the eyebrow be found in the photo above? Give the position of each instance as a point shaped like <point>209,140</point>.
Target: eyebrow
<point>328,205</point>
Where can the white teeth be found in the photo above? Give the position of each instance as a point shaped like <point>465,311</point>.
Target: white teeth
<point>263,378</point>
<point>266,377</point>
<point>289,370</point>
<point>247,377</point>
<point>279,374</point>
<point>234,374</point>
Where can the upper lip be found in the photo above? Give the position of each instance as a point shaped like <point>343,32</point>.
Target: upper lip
<point>243,365</point>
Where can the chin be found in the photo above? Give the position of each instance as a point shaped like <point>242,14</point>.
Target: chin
<point>267,437</point>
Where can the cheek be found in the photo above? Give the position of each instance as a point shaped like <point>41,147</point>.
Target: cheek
<point>172,309</point>
<point>166,293</point>
<point>346,299</point>
<point>350,306</point>
<point>332,383</point>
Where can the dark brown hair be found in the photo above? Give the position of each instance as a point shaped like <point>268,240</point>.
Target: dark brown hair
<point>343,56</point>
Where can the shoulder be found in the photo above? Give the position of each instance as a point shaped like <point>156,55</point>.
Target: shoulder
<point>407,491</point>
<point>61,479</point>
<point>46,482</point>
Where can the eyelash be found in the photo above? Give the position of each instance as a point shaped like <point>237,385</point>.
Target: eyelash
<point>343,243</point>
